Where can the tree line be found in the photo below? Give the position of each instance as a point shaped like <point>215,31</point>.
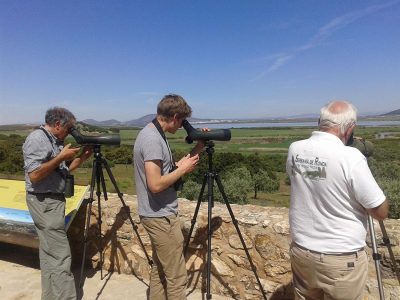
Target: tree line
<point>240,175</point>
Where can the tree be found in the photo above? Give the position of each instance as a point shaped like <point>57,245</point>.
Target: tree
<point>263,177</point>
<point>262,181</point>
<point>11,159</point>
<point>237,185</point>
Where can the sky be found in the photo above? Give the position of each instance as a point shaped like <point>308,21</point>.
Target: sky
<point>229,59</point>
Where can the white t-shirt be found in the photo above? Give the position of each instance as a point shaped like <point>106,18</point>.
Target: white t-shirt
<point>331,185</point>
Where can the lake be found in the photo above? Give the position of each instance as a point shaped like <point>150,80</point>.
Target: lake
<point>287,124</point>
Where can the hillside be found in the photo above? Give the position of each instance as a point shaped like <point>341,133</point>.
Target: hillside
<point>392,113</point>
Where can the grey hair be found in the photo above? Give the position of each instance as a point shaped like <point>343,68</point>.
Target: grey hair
<point>63,115</point>
<point>343,117</point>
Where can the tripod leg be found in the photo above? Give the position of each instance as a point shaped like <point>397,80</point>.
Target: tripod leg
<point>100,180</point>
<point>386,240</point>
<point>103,183</point>
<point>235,222</point>
<point>210,181</point>
<point>196,211</point>
<point>127,211</point>
<point>89,212</point>
<point>376,256</point>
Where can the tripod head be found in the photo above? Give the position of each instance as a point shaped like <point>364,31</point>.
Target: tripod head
<point>209,146</point>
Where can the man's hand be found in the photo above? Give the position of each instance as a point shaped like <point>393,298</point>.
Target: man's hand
<point>48,167</point>
<point>68,153</point>
<point>157,182</point>
<point>86,153</point>
<point>188,163</point>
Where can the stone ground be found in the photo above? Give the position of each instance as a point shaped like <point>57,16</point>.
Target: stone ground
<point>20,279</point>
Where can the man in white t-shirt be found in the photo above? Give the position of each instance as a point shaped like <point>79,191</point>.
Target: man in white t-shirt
<point>332,191</point>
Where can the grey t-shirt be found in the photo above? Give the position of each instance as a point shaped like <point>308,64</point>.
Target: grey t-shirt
<point>38,149</point>
<point>149,146</point>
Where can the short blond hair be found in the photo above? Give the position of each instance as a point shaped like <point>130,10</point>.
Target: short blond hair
<point>172,104</point>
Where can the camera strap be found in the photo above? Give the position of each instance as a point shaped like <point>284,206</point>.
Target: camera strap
<point>52,142</point>
<point>161,132</point>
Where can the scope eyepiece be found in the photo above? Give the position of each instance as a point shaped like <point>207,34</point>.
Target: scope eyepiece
<point>111,139</point>
<point>194,134</point>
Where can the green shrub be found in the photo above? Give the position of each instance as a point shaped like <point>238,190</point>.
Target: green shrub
<point>237,186</point>
<point>191,190</point>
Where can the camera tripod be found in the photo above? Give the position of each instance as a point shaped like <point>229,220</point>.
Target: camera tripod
<point>208,179</point>
<point>97,179</point>
<point>377,256</point>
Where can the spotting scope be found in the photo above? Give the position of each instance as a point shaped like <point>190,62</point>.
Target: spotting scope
<point>110,139</point>
<point>365,147</point>
<point>194,134</point>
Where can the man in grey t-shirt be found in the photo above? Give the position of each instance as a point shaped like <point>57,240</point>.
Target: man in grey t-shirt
<point>155,177</point>
<point>45,172</point>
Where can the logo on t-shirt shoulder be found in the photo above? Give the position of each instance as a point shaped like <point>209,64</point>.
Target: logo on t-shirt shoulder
<point>310,167</point>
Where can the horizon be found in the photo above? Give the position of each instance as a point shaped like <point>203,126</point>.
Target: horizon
<point>228,59</point>
<point>296,118</point>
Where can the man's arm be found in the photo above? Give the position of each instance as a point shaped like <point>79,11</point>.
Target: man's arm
<point>198,148</point>
<point>200,145</point>
<point>87,151</point>
<point>380,212</point>
<point>48,167</point>
<point>366,190</point>
<point>157,183</point>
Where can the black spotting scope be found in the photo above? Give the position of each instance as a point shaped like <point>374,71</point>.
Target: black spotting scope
<point>111,139</point>
<point>214,135</point>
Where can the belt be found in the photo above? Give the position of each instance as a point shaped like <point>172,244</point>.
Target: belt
<point>160,217</point>
<point>331,253</point>
<point>46,194</point>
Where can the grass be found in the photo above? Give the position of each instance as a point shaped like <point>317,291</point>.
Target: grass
<point>123,175</point>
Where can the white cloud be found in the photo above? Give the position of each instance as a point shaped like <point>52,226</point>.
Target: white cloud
<point>325,32</point>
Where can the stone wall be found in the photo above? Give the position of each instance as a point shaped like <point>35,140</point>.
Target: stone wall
<point>265,231</point>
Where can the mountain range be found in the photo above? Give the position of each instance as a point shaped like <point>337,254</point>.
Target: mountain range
<point>392,113</point>
<point>142,121</point>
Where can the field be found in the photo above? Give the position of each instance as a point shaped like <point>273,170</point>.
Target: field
<point>246,141</point>
<point>250,140</point>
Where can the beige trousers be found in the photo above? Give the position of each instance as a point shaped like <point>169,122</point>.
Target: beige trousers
<point>328,277</point>
<point>168,276</point>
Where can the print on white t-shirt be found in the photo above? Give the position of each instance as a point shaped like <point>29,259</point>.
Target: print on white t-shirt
<point>310,167</point>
